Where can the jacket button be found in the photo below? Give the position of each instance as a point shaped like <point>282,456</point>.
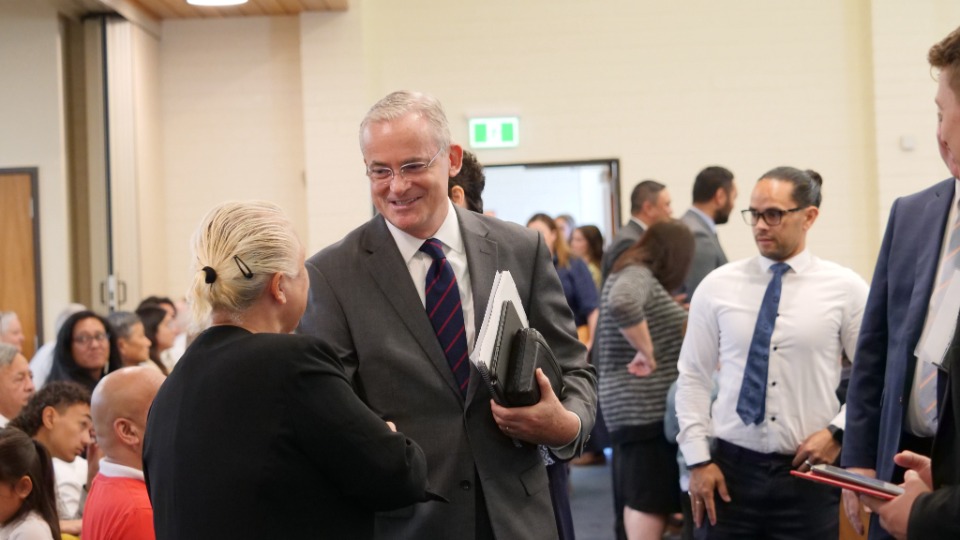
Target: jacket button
<point>465,485</point>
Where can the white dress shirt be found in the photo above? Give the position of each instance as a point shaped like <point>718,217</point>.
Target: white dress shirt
<point>419,262</point>
<point>111,469</point>
<point>819,315</point>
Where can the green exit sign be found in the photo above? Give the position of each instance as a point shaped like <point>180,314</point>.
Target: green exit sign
<point>501,132</point>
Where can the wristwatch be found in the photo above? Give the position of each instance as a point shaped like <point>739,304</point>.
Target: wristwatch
<point>836,432</point>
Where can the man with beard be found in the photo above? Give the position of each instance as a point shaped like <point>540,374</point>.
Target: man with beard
<point>771,329</point>
<point>714,193</point>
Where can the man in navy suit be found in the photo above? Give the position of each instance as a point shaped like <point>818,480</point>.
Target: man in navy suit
<point>884,409</point>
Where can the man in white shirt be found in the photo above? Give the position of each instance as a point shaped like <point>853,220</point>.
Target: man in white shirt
<point>776,327</point>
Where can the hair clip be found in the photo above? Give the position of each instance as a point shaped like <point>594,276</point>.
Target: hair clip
<point>244,269</point>
<point>211,274</point>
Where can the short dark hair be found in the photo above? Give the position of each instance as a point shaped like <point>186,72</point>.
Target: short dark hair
<point>22,456</point>
<point>594,240</point>
<point>945,54</point>
<point>158,301</point>
<point>806,184</point>
<point>646,191</point>
<point>57,394</point>
<point>472,180</point>
<point>666,248</point>
<point>709,181</point>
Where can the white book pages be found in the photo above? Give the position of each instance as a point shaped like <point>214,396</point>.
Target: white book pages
<point>504,288</point>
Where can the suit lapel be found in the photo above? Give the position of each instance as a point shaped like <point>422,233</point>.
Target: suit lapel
<point>928,256</point>
<point>482,263</point>
<point>387,268</point>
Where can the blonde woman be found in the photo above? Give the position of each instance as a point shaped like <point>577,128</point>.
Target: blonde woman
<point>257,433</point>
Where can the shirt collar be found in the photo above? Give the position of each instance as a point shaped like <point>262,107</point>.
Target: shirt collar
<point>707,219</point>
<point>3,421</point>
<point>115,470</point>
<point>448,234</point>
<point>798,263</point>
<point>639,222</point>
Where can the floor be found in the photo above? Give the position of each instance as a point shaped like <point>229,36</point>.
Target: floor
<point>591,501</point>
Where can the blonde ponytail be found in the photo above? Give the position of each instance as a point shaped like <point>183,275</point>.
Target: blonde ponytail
<point>237,248</point>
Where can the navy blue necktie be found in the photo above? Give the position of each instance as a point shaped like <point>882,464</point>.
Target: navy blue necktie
<point>751,405</point>
<point>446,313</point>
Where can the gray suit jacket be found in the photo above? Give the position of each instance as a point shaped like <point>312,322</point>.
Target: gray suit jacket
<point>707,255</point>
<point>363,303</point>
<point>625,237</point>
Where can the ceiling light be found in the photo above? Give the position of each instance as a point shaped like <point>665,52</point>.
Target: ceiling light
<point>216,2</point>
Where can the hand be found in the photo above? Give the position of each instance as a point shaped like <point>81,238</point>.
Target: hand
<point>703,481</point>
<point>71,526</point>
<point>817,448</point>
<point>915,462</point>
<point>682,300</point>
<point>851,501</point>
<point>642,364</point>
<point>895,514</point>
<point>546,422</point>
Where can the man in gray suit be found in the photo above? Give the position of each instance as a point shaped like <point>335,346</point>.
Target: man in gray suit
<point>649,204</point>
<point>714,193</point>
<point>368,299</point>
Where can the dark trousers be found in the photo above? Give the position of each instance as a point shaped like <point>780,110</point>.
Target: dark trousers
<point>559,476</point>
<point>767,503</point>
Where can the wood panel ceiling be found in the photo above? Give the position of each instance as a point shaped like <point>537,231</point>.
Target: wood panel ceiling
<point>180,9</point>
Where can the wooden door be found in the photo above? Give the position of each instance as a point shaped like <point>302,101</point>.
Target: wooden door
<point>19,262</point>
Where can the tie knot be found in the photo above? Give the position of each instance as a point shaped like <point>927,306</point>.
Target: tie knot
<point>779,268</point>
<point>433,248</point>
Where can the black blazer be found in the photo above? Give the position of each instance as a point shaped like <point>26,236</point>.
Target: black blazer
<point>261,436</point>
<point>934,515</point>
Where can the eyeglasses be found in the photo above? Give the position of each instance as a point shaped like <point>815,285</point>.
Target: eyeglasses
<point>408,170</point>
<point>772,216</point>
<point>86,339</point>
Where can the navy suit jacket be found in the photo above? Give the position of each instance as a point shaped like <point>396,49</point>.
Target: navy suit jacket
<point>884,362</point>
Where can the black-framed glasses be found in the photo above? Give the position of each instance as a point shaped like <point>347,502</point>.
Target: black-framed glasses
<point>771,216</point>
<point>407,170</point>
<point>86,339</point>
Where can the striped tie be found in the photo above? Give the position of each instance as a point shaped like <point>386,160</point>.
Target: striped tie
<point>927,387</point>
<point>446,313</point>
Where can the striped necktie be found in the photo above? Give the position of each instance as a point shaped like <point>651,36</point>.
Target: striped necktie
<point>445,312</point>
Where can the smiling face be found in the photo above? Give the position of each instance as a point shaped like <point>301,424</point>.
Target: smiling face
<point>788,238</point>
<point>948,123</point>
<point>414,203</point>
<point>16,386</point>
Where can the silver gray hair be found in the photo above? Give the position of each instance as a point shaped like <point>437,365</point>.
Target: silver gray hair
<point>7,354</point>
<point>399,104</point>
<point>121,322</point>
<point>5,318</point>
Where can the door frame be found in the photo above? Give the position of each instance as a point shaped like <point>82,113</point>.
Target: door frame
<point>33,173</point>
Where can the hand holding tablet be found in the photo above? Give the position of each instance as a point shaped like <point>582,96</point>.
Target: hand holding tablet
<point>835,476</point>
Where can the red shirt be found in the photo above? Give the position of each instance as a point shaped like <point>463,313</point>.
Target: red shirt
<point>118,508</point>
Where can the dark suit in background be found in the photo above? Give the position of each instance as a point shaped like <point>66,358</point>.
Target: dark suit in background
<point>708,255</point>
<point>896,308</point>
<point>625,237</point>
<point>934,515</point>
<point>363,302</point>
<point>261,436</point>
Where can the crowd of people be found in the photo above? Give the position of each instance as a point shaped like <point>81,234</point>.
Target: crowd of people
<point>332,397</point>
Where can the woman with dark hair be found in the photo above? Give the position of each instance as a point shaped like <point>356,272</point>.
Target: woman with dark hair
<point>577,283</point>
<point>86,350</point>
<point>641,330</point>
<point>158,328</point>
<point>586,242</point>
<point>28,506</point>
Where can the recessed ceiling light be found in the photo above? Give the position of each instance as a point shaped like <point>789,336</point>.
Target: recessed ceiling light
<point>216,2</point>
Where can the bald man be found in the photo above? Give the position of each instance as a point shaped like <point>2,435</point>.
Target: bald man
<point>118,506</point>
